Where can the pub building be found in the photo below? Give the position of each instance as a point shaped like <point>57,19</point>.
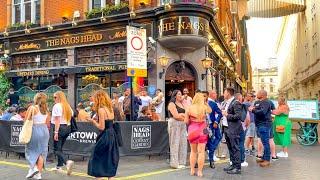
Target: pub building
<point>186,49</point>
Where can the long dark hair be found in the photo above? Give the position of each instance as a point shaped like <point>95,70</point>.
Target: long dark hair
<point>173,96</point>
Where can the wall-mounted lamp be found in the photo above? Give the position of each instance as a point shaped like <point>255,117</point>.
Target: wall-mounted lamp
<point>2,66</point>
<point>167,6</point>
<point>206,64</point>
<point>49,27</point>
<point>237,60</point>
<point>216,9</point>
<point>132,14</point>
<point>5,33</point>
<point>103,18</point>
<point>74,23</point>
<point>163,61</point>
<point>27,31</point>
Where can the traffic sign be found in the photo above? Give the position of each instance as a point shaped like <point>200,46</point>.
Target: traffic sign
<point>136,52</point>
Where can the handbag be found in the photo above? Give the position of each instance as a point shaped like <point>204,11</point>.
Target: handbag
<point>280,129</point>
<point>73,125</point>
<point>26,131</point>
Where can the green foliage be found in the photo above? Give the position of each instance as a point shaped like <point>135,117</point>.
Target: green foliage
<point>20,26</point>
<point>4,88</point>
<point>109,9</point>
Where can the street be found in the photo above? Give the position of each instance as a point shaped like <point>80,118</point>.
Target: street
<point>301,164</point>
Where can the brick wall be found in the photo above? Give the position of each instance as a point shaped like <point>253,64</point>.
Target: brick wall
<point>55,10</point>
<point>3,14</point>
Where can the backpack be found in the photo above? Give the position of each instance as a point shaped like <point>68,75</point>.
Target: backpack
<point>126,105</point>
<point>244,111</point>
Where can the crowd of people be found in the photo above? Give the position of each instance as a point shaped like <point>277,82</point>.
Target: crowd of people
<point>198,120</point>
<point>204,120</point>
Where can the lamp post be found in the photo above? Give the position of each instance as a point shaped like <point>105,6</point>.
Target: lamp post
<point>163,61</point>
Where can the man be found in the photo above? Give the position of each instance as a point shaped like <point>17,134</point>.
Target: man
<point>251,131</point>
<point>232,134</point>
<point>13,98</point>
<point>8,114</point>
<point>187,100</point>
<point>214,118</point>
<point>127,105</point>
<point>262,110</point>
<point>20,115</point>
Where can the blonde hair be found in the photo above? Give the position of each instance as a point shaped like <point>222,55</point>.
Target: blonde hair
<point>199,105</point>
<point>66,108</point>
<point>282,101</point>
<point>40,99</point>
<point>101,99</point>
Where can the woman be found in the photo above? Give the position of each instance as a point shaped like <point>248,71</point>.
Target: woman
<point>158,102</point>
<point>195,117</point>
<point>282,127</point>
<point>105,157</point>
<point>37,149</point>
<point>177,131</point>
<point>61,117</point>
<point>145,114</point>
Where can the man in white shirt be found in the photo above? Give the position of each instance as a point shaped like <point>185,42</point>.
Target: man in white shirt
<point>187,100</point>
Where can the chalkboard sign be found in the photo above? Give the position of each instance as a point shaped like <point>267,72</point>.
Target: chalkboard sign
<point>302,109</point>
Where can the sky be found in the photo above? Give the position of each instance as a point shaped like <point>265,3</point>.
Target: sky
<point>263,35</point>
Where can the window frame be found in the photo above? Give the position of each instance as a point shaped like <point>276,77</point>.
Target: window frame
<point>22,5</point>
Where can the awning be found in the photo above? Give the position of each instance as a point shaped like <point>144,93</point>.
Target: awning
<point>274,8</point>
<point>34,72</point>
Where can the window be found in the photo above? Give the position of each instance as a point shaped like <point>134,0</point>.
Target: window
<point>24,11</point>
<point>271,89</point>
<point>97,4</point>
<point>271,80</point>
<point>262,79</point>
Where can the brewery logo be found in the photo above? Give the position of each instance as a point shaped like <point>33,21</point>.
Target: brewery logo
<point>141,136</point>
<point>83,137</point>
<point>15,131</point>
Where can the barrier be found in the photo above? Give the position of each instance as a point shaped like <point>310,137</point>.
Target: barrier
<point>139,138</point>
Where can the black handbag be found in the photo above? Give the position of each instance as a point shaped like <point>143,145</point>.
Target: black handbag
<point>73,125</point>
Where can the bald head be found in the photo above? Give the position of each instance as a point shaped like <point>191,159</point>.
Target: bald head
<point>262,94</point>
<point>213,95</point>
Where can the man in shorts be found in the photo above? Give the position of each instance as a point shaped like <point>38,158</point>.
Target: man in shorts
<point>251,131</point>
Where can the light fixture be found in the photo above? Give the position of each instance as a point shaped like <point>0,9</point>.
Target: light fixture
<point>103,18</point>
<point>216,9</point>
<point>49,27</point>
<point>206,64</point>
<point>74,23</point>
<point>163,61</point>
<point>76,14</point>
<point>233,42</point>
<point>167,6</point>
<point>5,33</point>
<point>27,31</point>
<point>142,4</point>
<point>2,66</point>
<point>237,60</point>
<point>132,14</point>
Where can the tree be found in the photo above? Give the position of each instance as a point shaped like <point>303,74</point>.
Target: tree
<point>4,88</point>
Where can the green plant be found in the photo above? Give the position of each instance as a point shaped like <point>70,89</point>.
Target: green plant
<point>93,13</point>
<point>4,88</point>
<point>97,12</point>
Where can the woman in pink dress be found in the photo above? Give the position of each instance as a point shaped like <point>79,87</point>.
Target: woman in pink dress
<point>197,132</point>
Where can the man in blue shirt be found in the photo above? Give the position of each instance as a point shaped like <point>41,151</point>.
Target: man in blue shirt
<point>214,118</point>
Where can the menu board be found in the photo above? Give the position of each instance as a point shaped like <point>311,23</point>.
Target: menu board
<point>302,109</point>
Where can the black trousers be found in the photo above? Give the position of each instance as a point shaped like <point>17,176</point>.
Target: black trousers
<point>64,132</point>
<point>233,143</point>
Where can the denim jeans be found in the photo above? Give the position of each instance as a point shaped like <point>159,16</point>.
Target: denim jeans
<point>213,142</point>
<point>242,149</point>
<point>64,132</point>
<point>264,134</point>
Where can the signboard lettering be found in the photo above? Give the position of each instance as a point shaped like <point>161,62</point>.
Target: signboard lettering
<point>105,68</point>
<point>141,136</point>
<point>14,137</point>
<point>33,73</point>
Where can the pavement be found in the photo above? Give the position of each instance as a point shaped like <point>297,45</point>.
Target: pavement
<point>303,163</point>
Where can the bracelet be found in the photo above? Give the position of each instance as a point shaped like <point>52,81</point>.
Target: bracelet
<point>56,132</point>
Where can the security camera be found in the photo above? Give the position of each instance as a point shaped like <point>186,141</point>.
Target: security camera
<point>152,40</point>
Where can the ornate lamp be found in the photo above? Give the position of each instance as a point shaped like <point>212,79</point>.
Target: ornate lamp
<point>206,64</point>
<point>163,61</point>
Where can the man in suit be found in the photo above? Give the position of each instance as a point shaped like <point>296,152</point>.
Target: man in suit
<point>233,116</point>
<point>214,118</point>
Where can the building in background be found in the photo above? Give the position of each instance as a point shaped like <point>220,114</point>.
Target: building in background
<point>299,52</point>
<point>266,79</point>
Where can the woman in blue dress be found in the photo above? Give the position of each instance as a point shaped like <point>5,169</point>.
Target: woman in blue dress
<point>105,156</point>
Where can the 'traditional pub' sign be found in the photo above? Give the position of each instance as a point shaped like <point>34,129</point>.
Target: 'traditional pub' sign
<point>69,40</point>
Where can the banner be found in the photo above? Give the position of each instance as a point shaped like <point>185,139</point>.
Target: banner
<point>139,138</point>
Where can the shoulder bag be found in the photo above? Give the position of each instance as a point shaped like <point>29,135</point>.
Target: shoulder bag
<point>26,131</point>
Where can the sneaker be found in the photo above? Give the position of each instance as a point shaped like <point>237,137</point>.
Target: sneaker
<point>181,167</point>
<point>247,152</point>
<point>215,158</point>
<point>69,167</point>
<point>244,164</point>
<point>282,154</point>
<point>275,158</point>
<point>32,172</point>
<point>37,176</point>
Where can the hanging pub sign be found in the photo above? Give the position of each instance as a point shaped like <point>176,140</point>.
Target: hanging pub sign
<point>70,40</point>
<point>136,52</point>
<point>183,25</point>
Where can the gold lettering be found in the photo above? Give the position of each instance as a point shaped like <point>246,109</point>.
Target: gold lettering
<point>171,26</point>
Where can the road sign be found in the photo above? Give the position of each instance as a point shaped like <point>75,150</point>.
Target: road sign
<point>136,52</point>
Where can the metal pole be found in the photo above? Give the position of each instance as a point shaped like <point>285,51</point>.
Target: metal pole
<point>131,99</point>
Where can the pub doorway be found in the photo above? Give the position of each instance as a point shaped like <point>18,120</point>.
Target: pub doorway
<point>180,75</point>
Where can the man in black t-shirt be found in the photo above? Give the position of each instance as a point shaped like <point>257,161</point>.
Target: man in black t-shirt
<point>262,110</point>
<point>13,98</point>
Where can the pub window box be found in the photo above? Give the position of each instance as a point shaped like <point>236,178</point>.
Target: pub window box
<point>21,26</point>
<point>108,10</point>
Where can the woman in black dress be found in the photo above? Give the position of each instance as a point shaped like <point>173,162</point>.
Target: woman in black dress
<point>105,156</point>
